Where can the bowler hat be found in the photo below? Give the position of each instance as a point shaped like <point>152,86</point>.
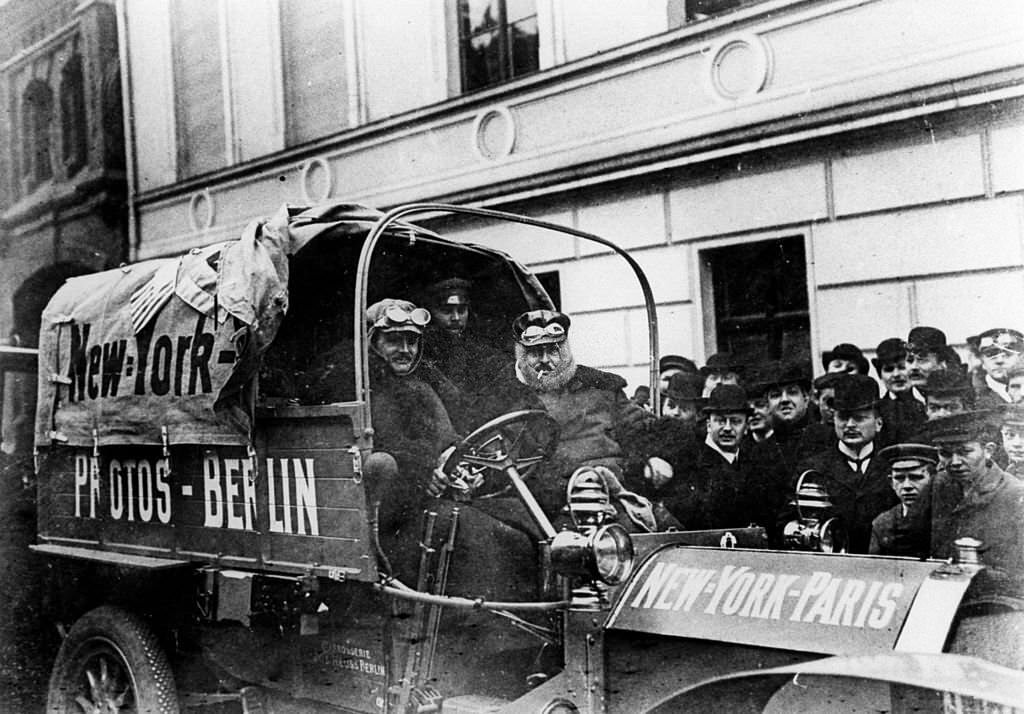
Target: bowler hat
<point>845,350</point>
<point>759,378</point>
<point>909,455</point>
<point>541,327</point>
<point>721,362</point>
<point>451,291</point>
<point>793,373</point>
<point>828,381</point>
<point>683,387</point>
<point>888,351</point>
<point>727,398</point>
<point>926,339</point>
<point>948,383</point>
<point>1000,338</point>
<point>676,362</point>
<point>855,391</point>
<point>978,426</point>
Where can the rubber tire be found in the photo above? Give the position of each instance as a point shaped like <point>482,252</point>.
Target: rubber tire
<point>131,644</point>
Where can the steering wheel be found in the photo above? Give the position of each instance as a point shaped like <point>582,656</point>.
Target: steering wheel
<point>518,440</point>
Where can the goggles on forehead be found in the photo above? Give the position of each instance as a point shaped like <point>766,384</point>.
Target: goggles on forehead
<point>535,334</point>
<point>396,316</point>
<point>994,349</point>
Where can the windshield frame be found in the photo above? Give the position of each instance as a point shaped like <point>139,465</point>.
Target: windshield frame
<point>390,218</point>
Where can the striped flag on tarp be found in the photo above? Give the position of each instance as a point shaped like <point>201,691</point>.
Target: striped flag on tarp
<point>147,301</point>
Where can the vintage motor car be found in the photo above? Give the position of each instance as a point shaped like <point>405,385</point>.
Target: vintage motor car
<point>210,495</point>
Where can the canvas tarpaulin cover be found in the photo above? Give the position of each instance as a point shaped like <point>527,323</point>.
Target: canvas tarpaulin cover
<point>167,350</point>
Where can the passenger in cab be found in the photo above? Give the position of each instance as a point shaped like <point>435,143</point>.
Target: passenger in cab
<point>905,528</point>
<point>410,421</point>
<point>972,497</point>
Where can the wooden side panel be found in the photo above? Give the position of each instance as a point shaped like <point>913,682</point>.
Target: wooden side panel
<point>297,506</point>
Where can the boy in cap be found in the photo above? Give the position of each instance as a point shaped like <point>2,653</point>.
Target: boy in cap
<point>999,350</point>
<point>852,471</point>
<point>905,529</point>
<point>1011,430</point>
<point>972,497</point>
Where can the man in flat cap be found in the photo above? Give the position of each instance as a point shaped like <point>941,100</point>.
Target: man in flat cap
<point>901,407</point>
<point>905,529</point>
<point>927,354</point>
<point>591,407</point>
<point>722,487</point>
<point>999,350</point>
<point>853,472</point>
<point>972,497</point>
<point>844,358</point>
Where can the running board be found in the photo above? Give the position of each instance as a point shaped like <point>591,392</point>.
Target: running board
<point>109,557</point>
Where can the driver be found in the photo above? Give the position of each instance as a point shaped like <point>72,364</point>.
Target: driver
<point>592,410</point>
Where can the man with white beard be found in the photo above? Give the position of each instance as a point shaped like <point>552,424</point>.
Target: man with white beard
<point>595,416</point>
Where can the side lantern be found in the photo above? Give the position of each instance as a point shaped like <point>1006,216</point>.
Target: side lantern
<point>598,548</point>
<point>816,527</point>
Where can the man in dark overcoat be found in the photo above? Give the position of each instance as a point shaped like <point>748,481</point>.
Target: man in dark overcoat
<point>855,475</point>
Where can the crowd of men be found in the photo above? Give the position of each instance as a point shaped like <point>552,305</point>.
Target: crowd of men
<point>925,452</point>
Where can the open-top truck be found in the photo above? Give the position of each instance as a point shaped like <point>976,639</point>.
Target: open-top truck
<point>212,527</point>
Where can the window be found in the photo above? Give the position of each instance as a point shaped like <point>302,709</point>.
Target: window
<point>199,95</point>
<point>497,41</point>
<point>682,12</point>
<point>72,115</point>
<point>36,118</point>
<point>759,294</point>
<point>315,82</point>
<point>553,285</point>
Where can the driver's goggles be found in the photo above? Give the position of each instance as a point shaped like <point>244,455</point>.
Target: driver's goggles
<point>535,334</point>
<point>998,349</point>
<point>395,316</point>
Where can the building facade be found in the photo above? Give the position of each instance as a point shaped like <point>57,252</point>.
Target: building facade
<point>63,191</point>
<point>790,174</point>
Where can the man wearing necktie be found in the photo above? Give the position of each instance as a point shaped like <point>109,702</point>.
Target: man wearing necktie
<point>855,475</point>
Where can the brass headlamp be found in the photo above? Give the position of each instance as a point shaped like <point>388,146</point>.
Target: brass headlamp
<point>816,527</point>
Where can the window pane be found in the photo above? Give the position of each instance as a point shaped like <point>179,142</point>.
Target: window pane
<point>525,47</point>
<point>199,100</point>
<point>516,10</point>
<point>315,80</point>
<point>482,61</point>
<point>760,294</point>
<point>479,15</point>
